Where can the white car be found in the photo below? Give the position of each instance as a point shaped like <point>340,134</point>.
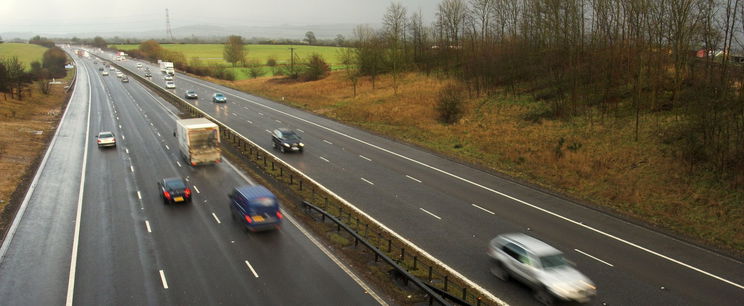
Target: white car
<point>168,77</point>
<point>139,65</point>
<point>170,85</point>
<point>104,73</point>
<point>106,139</point>
<point>119,74</point>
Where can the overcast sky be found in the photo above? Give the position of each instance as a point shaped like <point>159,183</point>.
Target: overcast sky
<point>65,16</point>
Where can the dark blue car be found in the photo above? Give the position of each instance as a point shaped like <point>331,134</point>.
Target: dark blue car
<point>256,208</point>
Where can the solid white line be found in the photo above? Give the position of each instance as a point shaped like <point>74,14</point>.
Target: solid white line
<point>167,147</point>
<point>324,159</point>
<point>251,267</point>
<point>426,211</point>
<point>413,178</point>
<point>147,223</point>
<point>301,131</point>
<point>178,163</point>
<point>78,216</point>
<point>328,142</point>
<point>595,258</point>
<point>162,278</point>
<point>483,209</point>
<point>368,182</point>
<point>139,195</point>
<point>216,219</point>
<point>196,189</point>
<point>364,157</point>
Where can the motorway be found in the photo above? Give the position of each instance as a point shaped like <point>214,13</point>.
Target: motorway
<point>451,210</point>
<point>94,231</point>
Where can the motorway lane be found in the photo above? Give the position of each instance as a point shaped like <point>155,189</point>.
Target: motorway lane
<point>34,268</point>
<point>337,164</point>
<point>201,252</point>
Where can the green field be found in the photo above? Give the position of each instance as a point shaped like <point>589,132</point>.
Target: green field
<point>26,53</point>
<point>213,52</point>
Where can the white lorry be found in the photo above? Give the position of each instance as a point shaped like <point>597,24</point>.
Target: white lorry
<point>198,141</point>
<point>167,67</point>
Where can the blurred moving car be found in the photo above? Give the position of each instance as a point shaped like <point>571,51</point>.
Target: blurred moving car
<point>191,94</point>
<point>286,140</point>
<point>539,266</point>
<point>219,98</point>
<point>148,74</point>
<point>168,77</point>
<point>174,190</point>
<point>125,79</point>
<point>255,207</point>
<point>139,65</point>
<point>104,73</point>
<point>170,85</point>
<point>106,139</point>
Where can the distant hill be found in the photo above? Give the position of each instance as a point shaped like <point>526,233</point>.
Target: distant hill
<point>326,31</point>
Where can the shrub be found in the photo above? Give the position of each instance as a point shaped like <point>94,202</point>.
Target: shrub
<point>315,69</point>
<point>450,105</point>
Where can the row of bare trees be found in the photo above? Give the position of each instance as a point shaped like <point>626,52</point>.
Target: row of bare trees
<point>593,59</point>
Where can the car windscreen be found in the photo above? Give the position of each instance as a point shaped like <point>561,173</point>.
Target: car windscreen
<point>105,135</point>
<point>552,261</point>
<point>291,137</point>
<point>175,184</point>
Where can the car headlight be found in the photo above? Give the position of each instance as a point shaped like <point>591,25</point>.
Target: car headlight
<point>286,145</point>
<point>302,144</point>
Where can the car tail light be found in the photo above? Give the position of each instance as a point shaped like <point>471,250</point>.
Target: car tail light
<point>187,191</point>
<point>279,214</point>
<point>248,219</point>
<point>98,141</point>
<point>193,163</point>
<point>167,195</point>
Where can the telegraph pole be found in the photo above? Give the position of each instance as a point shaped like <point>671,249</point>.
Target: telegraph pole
<point>291,59</point>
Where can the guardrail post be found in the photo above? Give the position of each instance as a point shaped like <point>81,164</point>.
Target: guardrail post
<point>430,273</point>
<point>464,293</point>
<point>300,184</point>
<point>415,259</point>
<point>390,245</point>
<point>272,165</point>
<point>403,255</point>
<point>446,281</point>
<point>290,179</point>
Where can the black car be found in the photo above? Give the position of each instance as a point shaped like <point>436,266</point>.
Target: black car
<point>174,190</point>
<point>191,94</point>
<point>286,140</point>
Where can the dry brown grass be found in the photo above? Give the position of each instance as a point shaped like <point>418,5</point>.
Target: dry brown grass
<point>24,129</point>
<point>641,179</point>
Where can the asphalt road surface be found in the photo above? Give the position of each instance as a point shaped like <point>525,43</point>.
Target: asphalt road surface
<point>128,248</point>
<point>451,210</point>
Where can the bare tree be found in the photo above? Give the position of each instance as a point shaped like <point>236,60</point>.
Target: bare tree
<point>394,29</point>
<point>234,51</point>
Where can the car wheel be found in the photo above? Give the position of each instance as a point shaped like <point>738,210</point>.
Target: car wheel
<point>499,271</point>
<point>281,148</point>
<point>273,144</point>
<point>544,297</point>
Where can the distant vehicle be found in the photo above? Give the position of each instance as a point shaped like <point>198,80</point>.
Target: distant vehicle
<point>170,85</point>
<point>174,190</point>
<point>167,68</point>
<point>112,68</point>
<point>106,139</point>
<point>139,65</point>
<point>539,266</point>
<point>256,208</point>
<point>191,94</point>
<point>198,141</point>
<point>100,68</point>
<point>125,79</point>
<point>148,74</point>
<point>168,77</point>
<point>286,140</point>
<point>219,98</point>
<point>119,74</point>
<point>104,73</point>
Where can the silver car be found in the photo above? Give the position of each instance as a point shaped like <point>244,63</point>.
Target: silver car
<point>540,266</point>
<point>106,139</point>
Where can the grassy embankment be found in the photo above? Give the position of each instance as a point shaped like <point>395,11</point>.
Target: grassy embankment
<point>26,53</point>
<point>599,162</point>
<point>212,53</point>
<point>25,127</point>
